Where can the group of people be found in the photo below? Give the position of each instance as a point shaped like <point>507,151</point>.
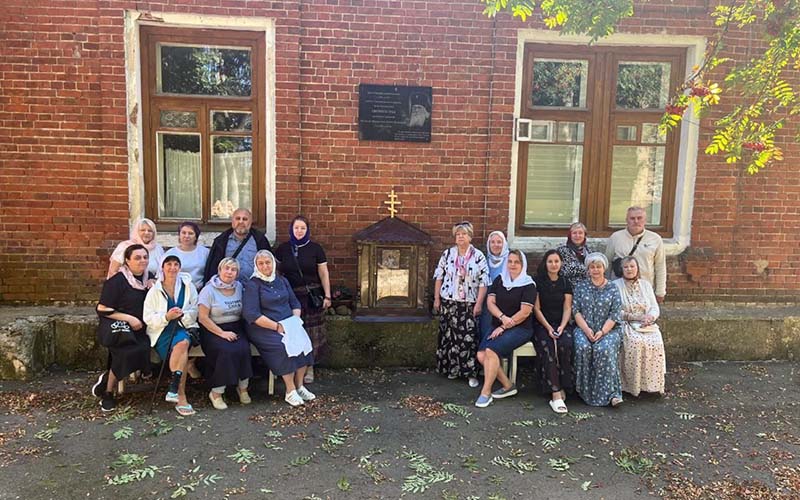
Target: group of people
<point>237,294</point>
<point>593,336</point>
<point>595,333</point>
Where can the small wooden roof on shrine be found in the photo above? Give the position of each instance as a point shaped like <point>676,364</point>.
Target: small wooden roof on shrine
<point>393,230</point>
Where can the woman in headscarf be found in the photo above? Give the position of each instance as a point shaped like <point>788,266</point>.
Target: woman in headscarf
<point>268,300</point>
<point>122,299</point>
<point>573,254</point>
<point>496,256</point>
<point>510,302</point>
<point>643,360</point>
<point>223,337</point>
<point>170,310</point>
<point>552,333</point>
<point>143,232</point>
<point>304,264</point>
<point>462,276</point>
<point>193,256</point>
<point>598,312</point>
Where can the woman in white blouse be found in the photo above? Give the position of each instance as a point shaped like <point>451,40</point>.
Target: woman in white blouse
<point>193,256</point>
<point>462,277</point>
<point>643,363</point>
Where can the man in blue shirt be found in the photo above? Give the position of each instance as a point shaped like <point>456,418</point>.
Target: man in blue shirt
<point>241,242</point>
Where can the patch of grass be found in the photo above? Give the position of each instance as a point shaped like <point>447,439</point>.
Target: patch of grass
<point>519,466</point>
<point>122,414</point>
<point>159,426</point>
<point>371,468</point>
<point>343,484</point>
<point>47,434</point>
<point>245,456</point>
<point>470,462</point>
<point>634,463</point>
<point>459,410</point>
<point>425,475</point>
<point>123,433</point>
<point>369,409</point>
<point>335,440</point>
<point>550,443</point>
<point>137,470</point>
<point>300,461</point>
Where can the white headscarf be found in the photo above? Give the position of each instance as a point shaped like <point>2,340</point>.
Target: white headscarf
<point>522,280</point>
<point>496,261</point>
<point>258,274</point>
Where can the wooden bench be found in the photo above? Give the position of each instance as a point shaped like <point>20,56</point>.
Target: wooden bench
<point>197,352</point>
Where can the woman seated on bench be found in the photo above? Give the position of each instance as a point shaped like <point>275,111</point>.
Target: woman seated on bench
<point>510,302</point>
<point>269,299</point>
<point>224,340</point>
<point>170,309</point>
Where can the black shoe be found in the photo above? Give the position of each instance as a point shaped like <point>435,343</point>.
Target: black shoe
<point>108,403</point>
<point>100,386</point>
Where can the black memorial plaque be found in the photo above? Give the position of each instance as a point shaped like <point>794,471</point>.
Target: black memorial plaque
<point>394,113</point>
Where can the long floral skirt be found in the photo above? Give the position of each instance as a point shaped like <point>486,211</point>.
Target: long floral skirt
<point>597,378</point>
<point>554,360</point>
<point>458,340</point>
<point>643,361</point>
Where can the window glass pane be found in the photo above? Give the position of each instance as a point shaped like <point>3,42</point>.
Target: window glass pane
<point>642,85</point>
<point>203,70</point>
<point>231,121</point>
<point>554,184</point>
<point>637,179</point>
<point>231,175</point>
<point>570,132</point>
<point>626,132</point>
<point>179,171</point>
<point>542,130</point>
<point>178,119</point>
<point>559,83</point>
<point>650,134</point>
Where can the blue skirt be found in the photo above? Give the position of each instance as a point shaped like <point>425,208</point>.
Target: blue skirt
<point>163,345</point>
<point>269,345</point>
<point>503,345</point>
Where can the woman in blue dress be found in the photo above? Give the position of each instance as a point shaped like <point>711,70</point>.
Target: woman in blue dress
<point>269,299</point>
<point>598,312</point>
<point>496,257</point>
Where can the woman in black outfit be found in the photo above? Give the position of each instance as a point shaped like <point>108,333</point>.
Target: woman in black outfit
<point>122,299</point>
<point>552,333</point>
<point>304,264</point>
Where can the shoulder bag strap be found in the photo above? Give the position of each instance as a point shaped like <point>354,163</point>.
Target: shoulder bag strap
<point>241,245</point>
<point>299,270</point>
<point>636,245</point>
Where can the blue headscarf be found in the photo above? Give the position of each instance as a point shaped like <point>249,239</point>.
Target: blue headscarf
<point>302,241</point>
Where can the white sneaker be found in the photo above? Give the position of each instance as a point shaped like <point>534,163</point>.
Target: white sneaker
<point>473,382</point>
<point>305,394</point>
<point>293,399</point>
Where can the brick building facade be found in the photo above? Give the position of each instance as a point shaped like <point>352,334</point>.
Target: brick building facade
<point>74,152</point>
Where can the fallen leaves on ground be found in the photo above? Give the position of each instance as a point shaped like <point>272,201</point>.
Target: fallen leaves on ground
<point>322,408</point>
<point>424,406</point>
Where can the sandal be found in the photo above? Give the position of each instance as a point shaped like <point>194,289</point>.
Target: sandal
<point>308,378</point>
<point>558,405</point>
<point>185,410</point>
<point>615,402</point>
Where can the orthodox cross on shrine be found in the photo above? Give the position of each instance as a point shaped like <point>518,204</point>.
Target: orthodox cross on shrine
<point>392,203</point>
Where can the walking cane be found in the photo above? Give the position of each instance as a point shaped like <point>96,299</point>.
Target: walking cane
<point>174,324</point>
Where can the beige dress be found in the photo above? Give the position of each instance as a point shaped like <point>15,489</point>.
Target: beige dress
<point>643,363</point>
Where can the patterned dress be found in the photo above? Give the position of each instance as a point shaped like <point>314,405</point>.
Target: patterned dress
<point>572,267</point>
<point>459,334</point>
<point>643,360</point>
<point>597,377</point>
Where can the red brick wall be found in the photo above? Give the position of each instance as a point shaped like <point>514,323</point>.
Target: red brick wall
<point>63,180</point>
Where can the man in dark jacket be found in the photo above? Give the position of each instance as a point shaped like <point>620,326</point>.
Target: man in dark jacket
<point>241,242</point>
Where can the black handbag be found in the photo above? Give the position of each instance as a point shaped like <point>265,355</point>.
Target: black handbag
<point>316,295</point>
<point>114,333</point>
<point>616,264</point>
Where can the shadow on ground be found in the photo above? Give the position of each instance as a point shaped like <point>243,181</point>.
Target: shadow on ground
<point>723,430</point>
